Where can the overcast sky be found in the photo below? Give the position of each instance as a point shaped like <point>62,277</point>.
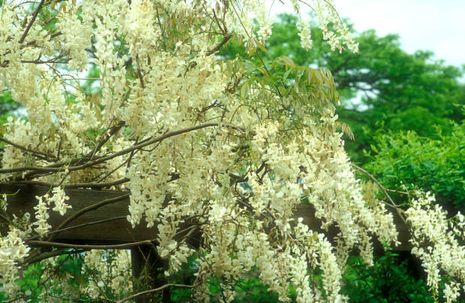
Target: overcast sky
<point>436,25</point>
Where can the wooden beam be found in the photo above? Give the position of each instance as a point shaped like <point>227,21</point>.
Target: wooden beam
<point>104,225</point>
<point>108,225</point>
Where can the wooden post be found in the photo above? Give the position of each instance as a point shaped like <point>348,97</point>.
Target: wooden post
<point>148,272</point>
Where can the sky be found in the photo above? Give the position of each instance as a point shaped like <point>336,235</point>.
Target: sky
<point>436,25</point>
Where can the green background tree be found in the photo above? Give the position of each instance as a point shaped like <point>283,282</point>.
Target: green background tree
<point>381,88</point>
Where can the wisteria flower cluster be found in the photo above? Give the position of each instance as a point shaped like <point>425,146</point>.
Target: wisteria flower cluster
<point>436,240</point>
<point>131,96</point>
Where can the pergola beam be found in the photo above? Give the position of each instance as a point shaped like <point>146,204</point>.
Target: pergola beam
<point>104,222</point>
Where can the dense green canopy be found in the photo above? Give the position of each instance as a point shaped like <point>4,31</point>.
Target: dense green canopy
<point>382,87</point>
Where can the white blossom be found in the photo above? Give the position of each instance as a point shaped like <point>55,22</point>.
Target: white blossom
<point>133,94</point>
<point>435,243</point>
<point>12,251</point>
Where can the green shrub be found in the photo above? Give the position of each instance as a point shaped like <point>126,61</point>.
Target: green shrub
<point>435,165</point>
<point>389,280</point>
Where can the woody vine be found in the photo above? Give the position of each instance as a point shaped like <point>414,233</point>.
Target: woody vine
<point>132,96</point>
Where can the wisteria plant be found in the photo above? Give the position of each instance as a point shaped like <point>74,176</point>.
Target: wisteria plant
<point>133,96</point>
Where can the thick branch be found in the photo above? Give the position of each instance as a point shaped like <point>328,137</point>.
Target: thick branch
<point>87,246</point>
<point>31,22</point>
<point>94,185</point>
<point>59,168</point>
<point>215,49</point>
<point>150,142</point>
<point>113,130</point>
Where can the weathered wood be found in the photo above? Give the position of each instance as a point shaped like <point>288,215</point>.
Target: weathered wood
<point>108,225</point>
<point>147,270</point>
<point>106,232</point>
<point>103,231</point>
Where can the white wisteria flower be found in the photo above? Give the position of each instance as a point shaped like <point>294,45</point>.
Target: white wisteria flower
<point>133,96</point>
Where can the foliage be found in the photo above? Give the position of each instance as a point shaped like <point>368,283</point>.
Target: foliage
<point>388,280</point>
<point>392,278</point>
<point>7,106</point>
<point>60,277</point>
<point>382,88</point>
<point>410,160</point>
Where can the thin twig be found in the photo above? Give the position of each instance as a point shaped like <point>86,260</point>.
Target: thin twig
<point>50,254</point>
<point>90,208</point>
<point>145,292</point>
<point>5,218</point>
<point>139,73</point>
<point>39,154</point>
<point>80,226</point>
<point>393,204</point>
